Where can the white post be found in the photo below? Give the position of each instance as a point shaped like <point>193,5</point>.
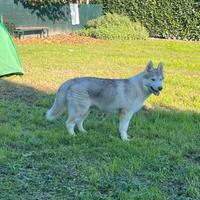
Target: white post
<point>87,1</point>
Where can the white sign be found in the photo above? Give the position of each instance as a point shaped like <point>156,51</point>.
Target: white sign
<point>74,13</point>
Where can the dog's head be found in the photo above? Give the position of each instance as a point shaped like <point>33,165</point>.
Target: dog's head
<point>153,78</point>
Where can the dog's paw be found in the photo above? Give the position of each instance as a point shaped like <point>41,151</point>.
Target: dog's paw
<point>72,134</point>
<point>125,139</point>
<point>83,131</point>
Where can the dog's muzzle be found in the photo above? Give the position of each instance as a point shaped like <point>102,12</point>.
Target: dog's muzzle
<point>156,92</point>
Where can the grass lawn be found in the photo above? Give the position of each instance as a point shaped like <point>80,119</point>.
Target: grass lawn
<point>39,160</point>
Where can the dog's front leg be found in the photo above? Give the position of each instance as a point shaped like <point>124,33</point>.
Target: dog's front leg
<point>123,124</point>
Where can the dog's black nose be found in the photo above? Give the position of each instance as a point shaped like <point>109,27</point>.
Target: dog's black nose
<point>160,88</point>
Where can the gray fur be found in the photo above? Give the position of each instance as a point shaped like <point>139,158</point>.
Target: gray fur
<point>125,96</point>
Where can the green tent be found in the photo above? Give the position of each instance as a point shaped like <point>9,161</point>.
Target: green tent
<point>9,60</point>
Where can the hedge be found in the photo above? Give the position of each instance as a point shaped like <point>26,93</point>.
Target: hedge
<point>178,19</point>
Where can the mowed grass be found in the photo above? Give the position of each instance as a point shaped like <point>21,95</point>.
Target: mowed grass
<point>39,160</point>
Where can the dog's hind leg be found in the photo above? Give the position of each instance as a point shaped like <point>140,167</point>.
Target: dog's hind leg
<point>76,118</point>
<point>70,124</point>
<point>71,121</point>
<point>81,120</point>
<point>77,112</point>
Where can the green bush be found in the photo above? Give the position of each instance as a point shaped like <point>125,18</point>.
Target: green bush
<point>162,18</point>
<point>114,26</point>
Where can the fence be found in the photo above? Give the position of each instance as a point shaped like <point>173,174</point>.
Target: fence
<point>21,16</point>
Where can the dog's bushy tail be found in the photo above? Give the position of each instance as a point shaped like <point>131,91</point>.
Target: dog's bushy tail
<point>59,104</point>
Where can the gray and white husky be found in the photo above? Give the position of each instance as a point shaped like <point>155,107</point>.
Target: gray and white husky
<point>125,96</point>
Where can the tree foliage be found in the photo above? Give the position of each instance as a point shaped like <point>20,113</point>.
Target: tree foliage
<point>52,9</point>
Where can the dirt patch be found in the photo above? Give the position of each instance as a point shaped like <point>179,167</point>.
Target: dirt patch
<point>59,39</point>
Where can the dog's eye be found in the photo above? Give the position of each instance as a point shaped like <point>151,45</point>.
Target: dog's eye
<point>153,79</point>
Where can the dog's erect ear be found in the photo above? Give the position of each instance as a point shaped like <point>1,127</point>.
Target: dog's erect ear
<point>149,66</point>
<point>160,68</point>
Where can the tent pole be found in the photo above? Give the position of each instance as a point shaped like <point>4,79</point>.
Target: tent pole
<point>2,19</point>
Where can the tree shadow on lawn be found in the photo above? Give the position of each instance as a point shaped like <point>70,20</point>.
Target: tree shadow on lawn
<point>28,139</point>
